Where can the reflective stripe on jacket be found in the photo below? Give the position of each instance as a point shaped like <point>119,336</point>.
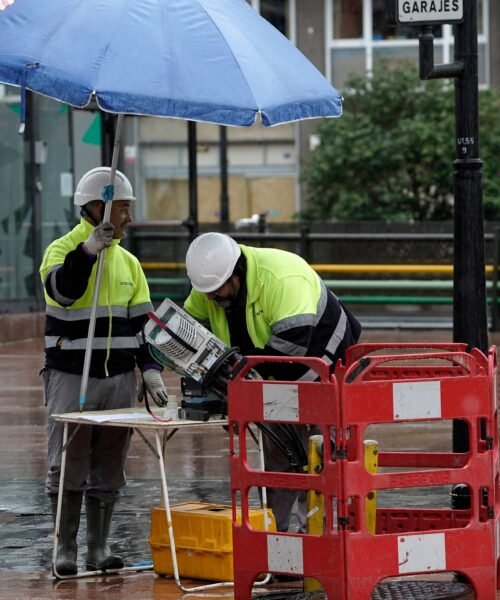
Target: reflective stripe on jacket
<point>68,274</point>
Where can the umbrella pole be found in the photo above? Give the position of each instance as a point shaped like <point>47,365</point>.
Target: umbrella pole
<point>100,264</point>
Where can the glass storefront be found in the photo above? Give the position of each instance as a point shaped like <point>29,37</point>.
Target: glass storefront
<point>14,210</point>
<point>37,182</point>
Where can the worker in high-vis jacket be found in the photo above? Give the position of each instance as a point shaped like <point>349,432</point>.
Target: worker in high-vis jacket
<point>96,455</point>
<point>269,302</point>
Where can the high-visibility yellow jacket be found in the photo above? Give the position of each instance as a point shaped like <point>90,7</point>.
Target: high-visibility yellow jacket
<point>287,311</point>
<point>68,274</point>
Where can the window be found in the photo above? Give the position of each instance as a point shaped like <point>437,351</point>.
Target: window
<point>346,61</point>
<point>278,13</point>
<point>480,17</point>
<point>9,93</point>
<point>348,19</point>
<point>359,36</point>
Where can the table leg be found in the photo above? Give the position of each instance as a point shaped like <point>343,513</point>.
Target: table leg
<point>59,503</point>
<point>168,514</point>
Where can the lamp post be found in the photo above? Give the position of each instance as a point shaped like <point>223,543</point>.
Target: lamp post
<point>470,322</point>
<point>469,295</point>
<point>469,285</point>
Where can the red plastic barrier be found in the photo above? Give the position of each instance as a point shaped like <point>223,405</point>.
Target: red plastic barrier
<point>257,552</point>
<point>379,384</point>
<point>430,392</point>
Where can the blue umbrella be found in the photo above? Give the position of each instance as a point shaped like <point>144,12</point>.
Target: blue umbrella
<point>215,61</point>
<point>204,60</point>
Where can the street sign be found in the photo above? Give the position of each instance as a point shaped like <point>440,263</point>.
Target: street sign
<point>430,11</point>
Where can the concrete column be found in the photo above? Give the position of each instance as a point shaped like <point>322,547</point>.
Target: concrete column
<point>310,39</point>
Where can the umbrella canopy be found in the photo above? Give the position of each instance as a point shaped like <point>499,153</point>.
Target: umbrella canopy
<point>216,61</point>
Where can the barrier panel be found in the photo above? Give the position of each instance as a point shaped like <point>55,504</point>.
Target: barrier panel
<point>390,384</point>
<point>403,385</point>
<point>257,552</point>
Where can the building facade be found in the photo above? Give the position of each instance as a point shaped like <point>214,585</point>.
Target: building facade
<point>340,37</point>
<point>39,171</point>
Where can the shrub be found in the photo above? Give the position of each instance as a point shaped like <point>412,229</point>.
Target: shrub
<point>390,156</point>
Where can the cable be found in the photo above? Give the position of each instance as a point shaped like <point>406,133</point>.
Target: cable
<point>293,459</point>
<point>291,433</point>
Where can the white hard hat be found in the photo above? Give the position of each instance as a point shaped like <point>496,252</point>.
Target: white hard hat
<point>210,261</point>
<point>91,185</point>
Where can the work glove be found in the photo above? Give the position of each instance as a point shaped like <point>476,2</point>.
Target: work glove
<point>100,238</point>
<point>155,386</point>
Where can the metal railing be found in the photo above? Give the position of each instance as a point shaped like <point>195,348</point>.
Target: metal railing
<point>409,282</point>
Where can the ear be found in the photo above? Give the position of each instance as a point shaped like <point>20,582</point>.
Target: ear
<point>93,212</point>
<point>236,278</point>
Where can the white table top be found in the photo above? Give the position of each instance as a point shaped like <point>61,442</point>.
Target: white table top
<point>133,417</point>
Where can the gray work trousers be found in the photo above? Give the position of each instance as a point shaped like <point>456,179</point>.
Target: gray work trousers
<point>281,500</point>
<point>95,458</point>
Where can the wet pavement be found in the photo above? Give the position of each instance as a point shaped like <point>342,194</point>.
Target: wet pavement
<point>197,469</point>
<point>197,464</point>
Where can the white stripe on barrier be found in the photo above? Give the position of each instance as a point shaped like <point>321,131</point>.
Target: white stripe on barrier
<point>285,554</point>
<point>281,402</point>
<point>416,400</point>
<point>421,552</point>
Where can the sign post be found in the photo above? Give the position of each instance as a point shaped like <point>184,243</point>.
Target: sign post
<point>470,322</point>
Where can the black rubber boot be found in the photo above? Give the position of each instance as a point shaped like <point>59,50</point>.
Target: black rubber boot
<point>99,557</point>
<point>69,524</point>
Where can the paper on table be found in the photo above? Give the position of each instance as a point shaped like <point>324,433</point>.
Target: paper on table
<point>115,417</point>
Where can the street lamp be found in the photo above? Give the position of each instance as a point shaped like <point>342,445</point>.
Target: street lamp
<point>470,322</point>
